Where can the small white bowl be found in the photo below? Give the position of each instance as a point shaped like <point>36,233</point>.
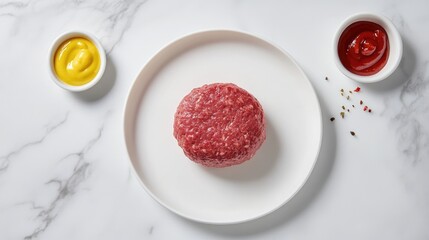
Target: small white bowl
<point>57,42</point>
<point>395,47</point>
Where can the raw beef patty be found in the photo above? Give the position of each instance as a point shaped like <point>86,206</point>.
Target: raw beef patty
<point>219,125</point>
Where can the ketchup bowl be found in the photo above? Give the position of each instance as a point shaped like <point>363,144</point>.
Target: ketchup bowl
<point>367,47</point>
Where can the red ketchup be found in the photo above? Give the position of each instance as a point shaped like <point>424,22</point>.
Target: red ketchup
<point>363,48</point>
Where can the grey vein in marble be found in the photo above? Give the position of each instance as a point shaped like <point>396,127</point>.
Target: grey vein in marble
<point>117,18</point>
<point>66,187</point>
<point>120,18</point>
<point>14,4</point>
<point>9,9</point>
<point>411,119</point>
<point>31,203</point>
<point>5,160</point>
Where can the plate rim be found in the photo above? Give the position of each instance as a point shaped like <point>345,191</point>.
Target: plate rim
<point>229,31</point>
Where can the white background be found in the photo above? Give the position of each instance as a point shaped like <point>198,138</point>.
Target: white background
<point>64,171</point>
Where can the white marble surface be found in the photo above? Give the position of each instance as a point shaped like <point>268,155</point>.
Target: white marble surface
<point>64,171</point>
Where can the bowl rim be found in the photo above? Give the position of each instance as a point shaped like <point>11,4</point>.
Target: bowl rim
<point>395,46</point>
<point>53,48</point>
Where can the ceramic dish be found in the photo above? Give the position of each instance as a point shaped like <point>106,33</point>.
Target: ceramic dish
<point>234,194</point>
<point>395,46</point>
<point>57,42</point>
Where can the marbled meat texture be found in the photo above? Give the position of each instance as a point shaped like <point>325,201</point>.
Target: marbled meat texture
<point>219,125</point>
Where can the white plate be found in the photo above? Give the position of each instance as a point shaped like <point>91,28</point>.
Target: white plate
<point>239,193</point>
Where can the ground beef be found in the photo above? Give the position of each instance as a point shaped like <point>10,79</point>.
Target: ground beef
<point>219,125</point>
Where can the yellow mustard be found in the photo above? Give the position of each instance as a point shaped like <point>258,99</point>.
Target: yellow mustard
<point>77,61</point>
